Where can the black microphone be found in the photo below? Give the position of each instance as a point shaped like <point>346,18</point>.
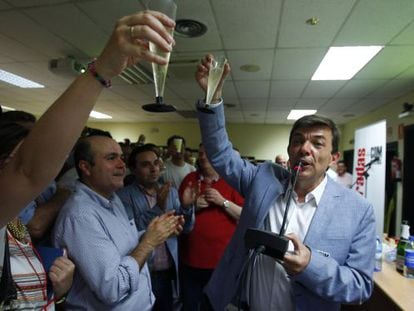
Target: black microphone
<point>376,159</point>
<point>270,243</point>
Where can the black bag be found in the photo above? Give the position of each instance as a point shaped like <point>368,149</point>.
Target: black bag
<point>8,290</point>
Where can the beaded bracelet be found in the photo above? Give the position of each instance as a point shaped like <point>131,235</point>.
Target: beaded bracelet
<point>92,70</point>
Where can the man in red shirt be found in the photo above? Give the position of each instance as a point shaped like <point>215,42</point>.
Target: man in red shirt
<point>218,209</point>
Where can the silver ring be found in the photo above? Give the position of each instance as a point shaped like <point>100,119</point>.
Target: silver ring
<point>131,32</point>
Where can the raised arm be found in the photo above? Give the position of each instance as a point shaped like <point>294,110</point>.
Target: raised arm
<point>227,162</point>
<point>44,151</point>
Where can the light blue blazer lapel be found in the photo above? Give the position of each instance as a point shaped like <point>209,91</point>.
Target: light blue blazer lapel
<point>323,215</point>
<point>274,188</point>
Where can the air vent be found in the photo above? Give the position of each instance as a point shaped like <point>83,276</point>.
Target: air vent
<point>188,28</point>
<point>187,114</point>
<point>137,74</point>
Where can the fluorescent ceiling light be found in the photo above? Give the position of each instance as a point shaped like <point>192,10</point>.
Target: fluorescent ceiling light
<point>342,63</point>
<point>99,115</point>
<point>18,81</point>
<point>299,113</point>
<point>7,108</point>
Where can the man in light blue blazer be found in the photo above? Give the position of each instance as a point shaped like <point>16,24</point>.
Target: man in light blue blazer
<point>331,229</point>
<point>146,199</point>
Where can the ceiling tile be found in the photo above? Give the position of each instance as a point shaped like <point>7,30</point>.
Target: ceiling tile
<point>16,25</point>
<point>390,62</point>
<point>70,22</point>
<point>245,31</point>
<point>276,104</point>
<point>4,5</point>
<point>310,103</point>
<point>33,3</point>
<point>252,89</point>
<point>337,105</point>
<point>363,106</point>
<point>256,104</point>
<point>408,74</point>
<point>104,13</point>
<point>295,32</point>
<point>287,88</point>
<point>359,88</point>
<point>319,89</point>
<point>201,11</point>
<point>277,116</point>
<point>405,37</point>
<point>17,51</point>
<point>245,24</point>
<point>393,89</point>
<point>374,22</point>
<point>261,58</point>
<point>296,63</point>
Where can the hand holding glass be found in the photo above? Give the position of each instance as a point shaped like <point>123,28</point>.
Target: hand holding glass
<point>169,8</point>
<point>214,76</point>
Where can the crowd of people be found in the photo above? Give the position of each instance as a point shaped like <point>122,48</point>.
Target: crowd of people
<point>172,236</point>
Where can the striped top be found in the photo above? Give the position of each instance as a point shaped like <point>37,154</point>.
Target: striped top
<point>29,277</point>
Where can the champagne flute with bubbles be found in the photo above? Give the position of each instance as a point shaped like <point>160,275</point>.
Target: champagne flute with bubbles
<point>214,76</point>
<point>169,8</point>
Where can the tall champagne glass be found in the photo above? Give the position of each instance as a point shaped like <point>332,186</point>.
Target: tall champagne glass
<point>169,8</point>
<point>214,76</point>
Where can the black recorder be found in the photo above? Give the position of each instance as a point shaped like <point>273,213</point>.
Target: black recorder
<point>270,243</point>
<point>275,245</point>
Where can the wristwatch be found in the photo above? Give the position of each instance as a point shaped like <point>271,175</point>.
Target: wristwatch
<point>226,204</point>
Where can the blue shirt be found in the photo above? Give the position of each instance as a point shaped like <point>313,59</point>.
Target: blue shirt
<point>99,238</point>
<point>28,212</point>
<point>137,207</point>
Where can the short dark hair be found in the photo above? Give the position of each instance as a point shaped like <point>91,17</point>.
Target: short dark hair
<point>170,140</point>
<point>138,150</point>
<point>10,135</point>
<point>341,162</point>
<point>310,121</point>
<point>83,151</point>
<point>88,132</point>
<point>18,116</point>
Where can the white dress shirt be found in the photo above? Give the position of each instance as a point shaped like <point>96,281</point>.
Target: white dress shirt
<point>271,288</point>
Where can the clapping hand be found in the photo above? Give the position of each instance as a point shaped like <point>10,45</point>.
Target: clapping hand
<point>201,202</point>
<point>162,227</point>
<point>162,195</point>
<point>190,194</point>
<point>213,196</point>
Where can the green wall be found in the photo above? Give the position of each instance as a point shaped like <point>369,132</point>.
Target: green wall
<point>388,112</point>
<point>261,141</point>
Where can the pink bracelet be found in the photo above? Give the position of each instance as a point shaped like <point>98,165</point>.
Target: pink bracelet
<point>92,70</point>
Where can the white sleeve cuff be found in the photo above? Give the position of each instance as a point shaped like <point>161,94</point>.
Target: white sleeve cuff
<point>202,104</point>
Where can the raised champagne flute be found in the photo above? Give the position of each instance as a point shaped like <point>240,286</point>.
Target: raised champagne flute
<point>169,8</point>
<point>214,76</point>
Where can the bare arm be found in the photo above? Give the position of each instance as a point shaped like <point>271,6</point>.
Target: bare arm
<point>233,210</point>
<point>46,213</point>
<point>34,165</point>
